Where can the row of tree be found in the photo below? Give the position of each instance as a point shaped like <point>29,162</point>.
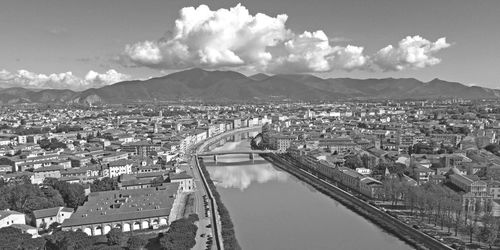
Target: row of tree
<point>442,206</point>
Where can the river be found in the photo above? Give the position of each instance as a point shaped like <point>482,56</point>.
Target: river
<point>272,210</point>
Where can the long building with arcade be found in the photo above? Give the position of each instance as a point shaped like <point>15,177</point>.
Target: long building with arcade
<point>129,210</point>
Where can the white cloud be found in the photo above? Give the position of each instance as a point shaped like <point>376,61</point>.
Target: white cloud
<point>206,38</point>
<point>312,52</point>
<point>27,79</point>
<point>234,38</point>
<point>95,79</point>
<point>412,52</point>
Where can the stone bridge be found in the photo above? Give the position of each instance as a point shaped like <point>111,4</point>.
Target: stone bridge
<point>251,153</point>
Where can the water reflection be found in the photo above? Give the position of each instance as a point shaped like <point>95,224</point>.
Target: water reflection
<point>271,209</point>
<point>241,177</point>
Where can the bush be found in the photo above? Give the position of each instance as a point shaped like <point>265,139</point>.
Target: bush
<point>181,235</point>
<point>136,242</point>
<point>115,236</point>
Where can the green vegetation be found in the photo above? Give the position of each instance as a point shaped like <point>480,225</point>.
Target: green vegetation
<point>67,128</point>
<point>69,240</point>
<point>181,235</point>
<point>227,230</point>
<point>136,242</point>
<point>73,194</point>
<point>189,205</point>
<point>31,131</point>
<point>26,198</point>
<point>13,238</point>
<point>115,236</point>
<point>104,184</point>
<point>51,144</point>
<point>493,148</point>
<point>439,205</point>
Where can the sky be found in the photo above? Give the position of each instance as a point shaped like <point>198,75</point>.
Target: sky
<point>79,44</point>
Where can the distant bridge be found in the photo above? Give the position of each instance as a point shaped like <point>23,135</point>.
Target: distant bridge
<point>236,152</point>
<point>250,153</point>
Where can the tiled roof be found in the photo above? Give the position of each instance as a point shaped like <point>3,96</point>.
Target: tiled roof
<point>120,205</point>
<point>48,212</point>
<point>5,213</point>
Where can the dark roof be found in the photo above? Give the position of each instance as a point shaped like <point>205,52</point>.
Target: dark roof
<point>5,213</point>
<point>120,205</point>
<point>48,212</point>
<point>49,168</point>
<point>180,176</point>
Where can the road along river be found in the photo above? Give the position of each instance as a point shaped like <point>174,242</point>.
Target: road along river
<point>271,209</point>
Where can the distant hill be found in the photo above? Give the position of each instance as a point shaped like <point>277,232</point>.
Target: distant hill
<point>259,77</point>
<point>202,85</point>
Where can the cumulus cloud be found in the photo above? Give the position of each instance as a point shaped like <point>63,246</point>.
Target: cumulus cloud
<point>27,79</point>
<point>312,52</point>
<point>412,52</point>
<point>234,38</point>
<point>206,38</point>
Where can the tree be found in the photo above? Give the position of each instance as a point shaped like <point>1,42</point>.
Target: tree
<point>69,240</point>
<point>51,144</point>
<point>136,242</point>
<point>181,235</point>
<point>158,181</point>
<point>115,236</point>
<point>353,162</point>
<point>54,226</point>
<point>493,148</point>
<point>13,238</point>
<point>104,184</point>
<point>27,197</point>
<point>73,194</point>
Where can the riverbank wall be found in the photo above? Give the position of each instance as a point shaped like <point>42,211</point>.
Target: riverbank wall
<point>216,223</point>
<point>210,188</point>
<point>406,233</point>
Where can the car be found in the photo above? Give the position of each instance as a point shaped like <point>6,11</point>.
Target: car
<point>209,226</point>
<point>202,235</point>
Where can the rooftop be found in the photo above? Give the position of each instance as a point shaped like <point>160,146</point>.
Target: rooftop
<point>122,205</point>
<point>5,213</point>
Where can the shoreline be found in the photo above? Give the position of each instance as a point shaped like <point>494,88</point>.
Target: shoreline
<point>410,236</point>
<point>224,231</point>
<point>227,232</point>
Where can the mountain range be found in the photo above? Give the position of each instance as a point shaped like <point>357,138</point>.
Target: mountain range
<point>201,85</point>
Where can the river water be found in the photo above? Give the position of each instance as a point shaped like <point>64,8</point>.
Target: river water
<point>272,210</point>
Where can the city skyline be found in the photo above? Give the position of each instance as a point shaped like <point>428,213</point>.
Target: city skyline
<point>76,45</point>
